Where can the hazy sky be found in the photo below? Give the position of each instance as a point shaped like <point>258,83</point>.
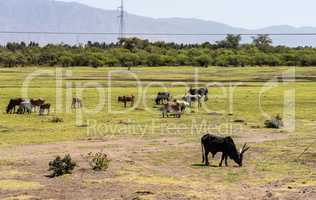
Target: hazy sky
<point>242,13</point>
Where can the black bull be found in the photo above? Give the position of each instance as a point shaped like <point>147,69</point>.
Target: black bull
<point>162,96</point>
<point>12,104</point>
<point>214,144</point>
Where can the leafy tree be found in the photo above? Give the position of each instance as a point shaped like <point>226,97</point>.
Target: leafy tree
<point>154,60</point>
<point>203,60</point>
<point>137,52</point>
<point>128,59</point>
<point>262,42</point>
<point>182,59</point>
<point>9,59</point>
<point>66,60</point>
<point>95,61</point>
<point>230,42</point>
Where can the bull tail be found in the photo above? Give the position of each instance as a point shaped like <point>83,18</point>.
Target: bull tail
<point>202,147</point>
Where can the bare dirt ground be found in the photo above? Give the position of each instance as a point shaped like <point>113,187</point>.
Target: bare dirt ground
<point>165,168</point>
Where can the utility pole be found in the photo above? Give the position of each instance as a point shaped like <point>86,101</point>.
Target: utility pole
<point>122,19</point>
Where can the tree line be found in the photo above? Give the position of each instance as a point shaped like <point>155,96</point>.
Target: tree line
<point>130,52</point>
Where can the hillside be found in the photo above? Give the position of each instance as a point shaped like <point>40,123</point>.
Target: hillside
<point>58,16</point>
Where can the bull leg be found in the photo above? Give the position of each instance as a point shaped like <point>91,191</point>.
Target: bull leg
<point>206,158</point>
<point>226,164</point>
<point>202,146</point>
<point>223,157</point>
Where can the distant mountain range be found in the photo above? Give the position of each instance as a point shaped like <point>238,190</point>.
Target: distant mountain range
<point>58,16</point>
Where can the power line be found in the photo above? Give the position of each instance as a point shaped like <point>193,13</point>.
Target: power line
<point>122,19</point>
<point>151,34</point>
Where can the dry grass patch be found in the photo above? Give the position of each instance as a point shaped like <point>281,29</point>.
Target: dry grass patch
<point>17,185</point>
<point>22,197</point>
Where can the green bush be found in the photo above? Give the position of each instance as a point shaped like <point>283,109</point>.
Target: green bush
<point>98,161</point>
<point>130,52</point>
<point>61,166</point>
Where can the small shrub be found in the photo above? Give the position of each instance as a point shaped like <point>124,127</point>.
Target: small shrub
<point>275,122</point>
<point>98,161</point>
<point>56,119</point>
<point>61,166</point>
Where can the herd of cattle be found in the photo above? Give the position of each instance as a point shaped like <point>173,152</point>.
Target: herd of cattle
<point>26,106</point>
<point>173,107</point>
<point>210,143</point>
<point>176,107</point>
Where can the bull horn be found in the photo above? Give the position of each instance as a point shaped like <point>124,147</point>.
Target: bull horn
<point>244,148</point>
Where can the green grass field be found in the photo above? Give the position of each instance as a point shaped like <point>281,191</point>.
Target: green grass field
<point>157,154</point>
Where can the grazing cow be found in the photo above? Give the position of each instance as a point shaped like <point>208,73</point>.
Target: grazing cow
<point>193,98</point>
<point>173,108</point>
<point>203,92</point>
<point>162,97</point>
<point>43,108</point>
<point>12,104</point>
<point>76,103</point>
<point>125,99</point>
<point>183,105</point>
<point>25,107</point>
<point>37,103</point>
<point>226,145</point>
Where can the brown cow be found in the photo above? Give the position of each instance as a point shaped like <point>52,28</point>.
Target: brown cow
<point>76,103</point>
<point>174,108</point>
<point>125,99</point>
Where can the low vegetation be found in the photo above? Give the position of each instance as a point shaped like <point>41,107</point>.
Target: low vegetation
<point>163,157</point>
<point>61,166</point>
<point>136,52</point>
<point>98,161</point>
